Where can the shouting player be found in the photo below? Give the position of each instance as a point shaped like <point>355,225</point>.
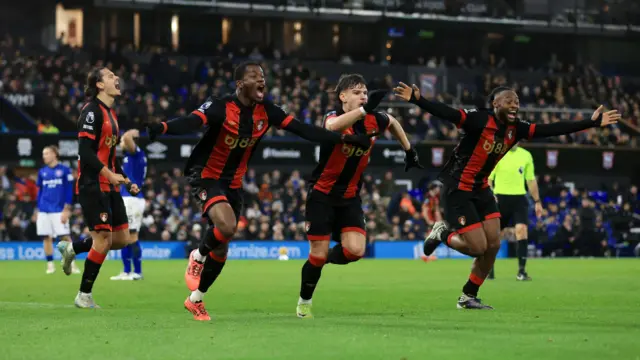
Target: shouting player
<point>469,205</point>
<point>333,202</point>
<point>98,187</point>
<point>234,126</point>
<point>507,182</point>
<point>134,165</point>
<point>55,197</point>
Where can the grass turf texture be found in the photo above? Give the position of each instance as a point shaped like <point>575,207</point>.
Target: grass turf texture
<point>578,309</point>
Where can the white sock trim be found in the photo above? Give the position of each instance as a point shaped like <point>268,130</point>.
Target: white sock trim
<point>303,301</point>
<point>196,296</point>
<point>198,257</point>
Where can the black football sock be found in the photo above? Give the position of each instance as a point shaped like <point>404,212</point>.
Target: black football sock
<point>82,246</point>
<point>522,247</point>
<point>311,271</point>
<point>212,239</point>
<point>91,269</point>
<point>341,256</point>
<point>444,236</point>
<point>211,271</point>
<point>472,286</point>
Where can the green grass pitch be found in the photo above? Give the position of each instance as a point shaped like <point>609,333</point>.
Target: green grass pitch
<point>375,309</point>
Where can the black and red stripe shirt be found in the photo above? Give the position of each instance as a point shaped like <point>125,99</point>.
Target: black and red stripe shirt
<point>97,125</point>
<point>232,134</point>
<point>484,142</point>
<point>339,171</point>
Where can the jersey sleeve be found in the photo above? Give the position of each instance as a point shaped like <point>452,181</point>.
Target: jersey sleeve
<point>211,111</point>
<point>327,116</point>
<point>277,116</point>
<point>89,124</point>
<point>443,111</point>
<point>383,121</point>
<point>529,170</point>
<point>525,130</point>
<point>471,118</point>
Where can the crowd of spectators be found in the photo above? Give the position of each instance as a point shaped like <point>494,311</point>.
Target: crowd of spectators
<point>163,88</point>
<point>575,221</point>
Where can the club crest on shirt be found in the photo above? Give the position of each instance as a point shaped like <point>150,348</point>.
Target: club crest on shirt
<point>462,220</point>
<point>521,170</point>
<point>203,195</point>
<point>259,125</point>
<point>104,217</point>
<point>58,173</point>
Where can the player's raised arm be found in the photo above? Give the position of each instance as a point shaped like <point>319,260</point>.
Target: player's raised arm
<point>435,108</point>
<point>211,110</point>
<point>346,120</point>
<point>598,119</point>
<point>313,133</point>
<point>411,159</point>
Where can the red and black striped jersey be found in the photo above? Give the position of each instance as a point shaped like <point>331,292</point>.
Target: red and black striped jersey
<point>99,125</point>
<point>484,142</point>
<point>232,134</point>
<point>340,168</point>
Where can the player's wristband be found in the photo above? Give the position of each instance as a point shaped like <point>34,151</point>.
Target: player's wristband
<point>536,201</point>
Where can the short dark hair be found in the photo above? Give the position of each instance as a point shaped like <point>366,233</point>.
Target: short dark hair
<point>348,81</point>
<point>496,91</point>
<point>93,77</point>
<point>241,70</point>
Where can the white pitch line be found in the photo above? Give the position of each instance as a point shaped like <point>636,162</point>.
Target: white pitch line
<point>34,304</point>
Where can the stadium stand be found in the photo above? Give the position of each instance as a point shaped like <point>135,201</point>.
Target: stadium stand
<point>158,87</point>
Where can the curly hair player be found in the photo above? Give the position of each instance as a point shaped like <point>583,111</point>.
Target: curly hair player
<point>470,208</point>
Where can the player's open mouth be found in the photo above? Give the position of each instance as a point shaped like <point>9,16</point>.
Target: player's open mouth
<point>512,115</point>
<point>260,92</point>
<point>117,86</point>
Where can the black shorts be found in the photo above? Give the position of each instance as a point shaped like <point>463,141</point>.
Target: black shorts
<point>103,211</point>
<point>513,207</point>
<point>208,192</point>
<point>466,210</point>
<point>325,218</point>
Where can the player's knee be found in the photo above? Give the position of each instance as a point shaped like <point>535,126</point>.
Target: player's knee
<point>227,228</point>
<point>355,251</point>
<point>521,231</point>
<point>319,249</point>
<point>493,247</point>
<point>221,251</point>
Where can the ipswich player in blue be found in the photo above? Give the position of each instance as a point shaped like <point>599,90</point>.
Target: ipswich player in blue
<point>134,165</point>
<point>55,197</point>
